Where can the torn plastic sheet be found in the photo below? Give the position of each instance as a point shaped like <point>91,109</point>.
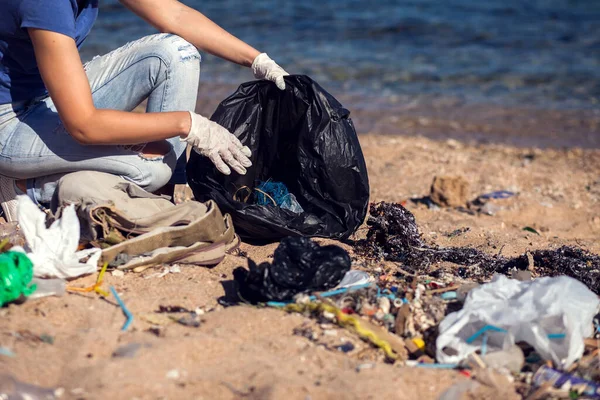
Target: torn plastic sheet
<point>53,250</point>
<point>553,315</point>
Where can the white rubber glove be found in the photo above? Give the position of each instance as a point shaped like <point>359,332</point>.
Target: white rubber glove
<point>265,68</point>
<point>215,142</point>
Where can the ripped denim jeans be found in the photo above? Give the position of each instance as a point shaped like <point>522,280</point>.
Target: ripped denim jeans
<point>34,144</point>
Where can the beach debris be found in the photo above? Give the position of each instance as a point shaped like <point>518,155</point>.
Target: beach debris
<point>503,312</point>
<point>53,250</point>
<point>449,191</point>
<point>299,265</point>
<point>275,194</point>
<point>127,313</point>
<point>172,269</point>
<point>96,287</point>
<point>16,273</point>
<point>393,235</point>
<point>458,232</point>
<point>5,351</point>
<point>128,350</point>
<point>191,319</point>
<point>511,359</point>
<point>48,287</point>
<point>117,273</point>
<point>173,374</point>
<point>45,338</point>
<point>530,229</point>
<point>499,194</point>
<point>11,388</point>
<point>567,382</point>
<point>392,345</point>
<point>172,309</point>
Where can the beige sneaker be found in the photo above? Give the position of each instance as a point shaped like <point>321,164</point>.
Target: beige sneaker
<point>8,198</point>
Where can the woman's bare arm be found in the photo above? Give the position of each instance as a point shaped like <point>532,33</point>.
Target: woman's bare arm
<point>63,74</point>
<point>171,16</point>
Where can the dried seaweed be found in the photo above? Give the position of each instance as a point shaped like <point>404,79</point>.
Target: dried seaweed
<point>394,236</point>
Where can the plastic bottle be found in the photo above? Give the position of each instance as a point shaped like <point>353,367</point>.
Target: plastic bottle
<point>48,287</point>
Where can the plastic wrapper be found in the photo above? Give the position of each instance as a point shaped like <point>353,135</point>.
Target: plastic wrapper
<point>53,249</point>
<point>553,315</point>
<point>302,137</point>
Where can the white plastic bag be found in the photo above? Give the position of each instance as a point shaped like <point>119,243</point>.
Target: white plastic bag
<point>53,250</point>
<point>551,314</point>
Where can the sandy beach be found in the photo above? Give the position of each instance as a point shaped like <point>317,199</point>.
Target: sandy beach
<point>254,353</point>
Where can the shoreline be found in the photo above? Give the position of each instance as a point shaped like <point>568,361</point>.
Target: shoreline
<point>449,117</point>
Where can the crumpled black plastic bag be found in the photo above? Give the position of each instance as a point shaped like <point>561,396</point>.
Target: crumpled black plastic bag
<point>302,137</point>
<point>299,265</point>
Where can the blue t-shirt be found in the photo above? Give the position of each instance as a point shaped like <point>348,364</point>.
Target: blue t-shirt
<point>19,75</point>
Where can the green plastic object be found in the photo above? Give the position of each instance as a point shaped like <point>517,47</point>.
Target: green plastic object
<point>16,273</point>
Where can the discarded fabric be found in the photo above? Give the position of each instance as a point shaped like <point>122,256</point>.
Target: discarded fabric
<point>551,314</point>
<point>299,265</point>
<point>53,250</point>
<point>16,272</point>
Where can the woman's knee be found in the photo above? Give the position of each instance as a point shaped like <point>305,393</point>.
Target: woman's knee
<point>174,50</point>
<point>154,167</point>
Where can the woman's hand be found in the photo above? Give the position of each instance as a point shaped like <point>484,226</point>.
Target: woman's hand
<point>215,142</point>
<point>265,68</point>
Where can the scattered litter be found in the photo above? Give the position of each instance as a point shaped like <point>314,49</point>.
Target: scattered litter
<point>16,273</point>
<point>452,295</point>
<point>48,287</point>
<point>500,194</point>
<point>346,347</point>
<point>458,232</point>
<point>4,351</point>
<point>392,346</point>
<point>117,273</point>
<point>299,265</point>
<point>172,309</point>
<point>277,194</point>
<point>173,269</point>
<point>53,250</point>
<point>355,278</point>
<point>13,389</point>
<point>567,382</point>
<point>360,367</point>
<point>127,313</point>
<point>505,311</point>
<point>47,338</point>
<point>530,229</point>
<point>128,350</point>
<point>511,359</point>
<point>173,374</point>
<point>191,319</point>
<point>95,287</point>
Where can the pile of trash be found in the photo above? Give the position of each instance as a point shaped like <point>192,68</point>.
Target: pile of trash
<point>394,236</point>
<point>492,320</point>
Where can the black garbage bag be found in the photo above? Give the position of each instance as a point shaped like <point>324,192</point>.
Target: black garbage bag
<point>302,137</point>
<point>299,265</point>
